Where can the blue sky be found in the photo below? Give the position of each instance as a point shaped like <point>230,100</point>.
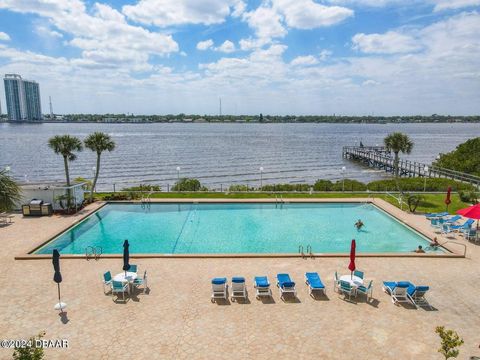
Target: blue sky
<point>350,57</point>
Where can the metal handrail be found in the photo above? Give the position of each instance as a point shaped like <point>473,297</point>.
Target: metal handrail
<point>458,243</point>
<point>300,250</point>
<point>97,254</point>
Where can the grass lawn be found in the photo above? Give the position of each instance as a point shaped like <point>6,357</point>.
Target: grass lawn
<point>429,202</point>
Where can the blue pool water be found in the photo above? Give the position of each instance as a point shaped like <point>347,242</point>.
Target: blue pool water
<point>232,228</point>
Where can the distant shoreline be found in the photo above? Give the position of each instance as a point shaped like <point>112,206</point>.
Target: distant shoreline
<point>238,122</point>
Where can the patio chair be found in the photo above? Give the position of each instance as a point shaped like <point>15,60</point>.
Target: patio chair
<point>119,287</point>
<point>262,286</point>
<point>346,289</point>
<point>416,294</point>
<point>336,281</point>
<point>107,281</point>
<point>219,289</point>
<point>286,285</point>
<point>397,290</point>
<point>312,279</point>
<point>141,281</point>
<point>366,289</point>
<point>133,268</point>
<point>239,290</point>
<point>358,273</point>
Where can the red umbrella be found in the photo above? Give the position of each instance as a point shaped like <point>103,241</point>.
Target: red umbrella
<point>472,212</point>
<point>351,266</point>
<point>447,199</point>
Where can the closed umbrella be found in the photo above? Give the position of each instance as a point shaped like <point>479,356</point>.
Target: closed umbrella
<point>351,266</point>
<point>57,277</point>
<point>126,256</point>
<point>447,199</point>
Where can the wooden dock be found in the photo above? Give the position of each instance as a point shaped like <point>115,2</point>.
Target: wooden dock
<point>378,157</point>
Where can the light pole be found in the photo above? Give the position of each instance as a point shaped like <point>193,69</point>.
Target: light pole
<point>178,174</point>
<point>425,172</point>
<point>261,177</point>
<point>343,178</point>
<point>7,168</point>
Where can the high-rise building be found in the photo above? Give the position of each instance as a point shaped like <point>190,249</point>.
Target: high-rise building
<point>23,99</point>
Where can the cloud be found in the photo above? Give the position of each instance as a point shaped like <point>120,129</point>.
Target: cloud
<point>204,45</point>
<point>454,4</point>
<point>178,12</point>
<point>391,42</point>
<point>226,47</point>
<point>266,22</point>
<point>46,31</point>
<point>304,61</point>
<point>4,36</point>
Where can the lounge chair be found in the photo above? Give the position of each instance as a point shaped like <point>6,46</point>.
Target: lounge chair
<point>416,294</point>
<point>239,290</point>
<point>262,285</point>
<point>436,215</point>
<point>120,287</point>
<point>346,289</point>
<point>286,285</point>
<point>397,290</point>
<point>358,273</point>
<point>141,281</point>
<point>312,279</point>
<point>453,219</point>
<point>107,281</point>
<point>466,225</point>
<point>366,289</point>
<point>336,281</point>
<point>219,289</point>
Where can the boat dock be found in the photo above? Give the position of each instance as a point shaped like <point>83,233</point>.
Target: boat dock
<point>378,157</point>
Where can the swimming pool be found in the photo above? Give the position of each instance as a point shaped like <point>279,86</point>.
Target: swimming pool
<point>237,228</point>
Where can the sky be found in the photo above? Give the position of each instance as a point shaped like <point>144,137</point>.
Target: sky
<point>278,57</point>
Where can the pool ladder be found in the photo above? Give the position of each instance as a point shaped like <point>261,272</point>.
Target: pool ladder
<point>93,251</point>
<point>308,253</point>
<point>279,200</point>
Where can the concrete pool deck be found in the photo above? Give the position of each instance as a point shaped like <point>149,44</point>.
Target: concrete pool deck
<point>177,320</point>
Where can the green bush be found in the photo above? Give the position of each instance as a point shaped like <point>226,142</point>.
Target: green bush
<point>116,196</point>
<point>31,351</point>
<point>468,196</point>
<point>323,185</point>
<point>188,184</point>
<point>143,188</point>
<point>349,185</point>
<point>240,188</point>
<point>286,187</point>
<point>417,184</point>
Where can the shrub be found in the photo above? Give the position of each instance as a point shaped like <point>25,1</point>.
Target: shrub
<point>323,185</point>
<point>450,341</point>
<point>417,184</point>
<point>30,352</point>
<point>286,187</point>
<point>116,196</point>
<point>469,196</point>
<point>239,188</point>
<point>349,185</point>
<point>143,188</point>
<point>188,184</point>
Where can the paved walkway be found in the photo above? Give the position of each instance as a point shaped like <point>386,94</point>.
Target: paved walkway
<point>177,320</point>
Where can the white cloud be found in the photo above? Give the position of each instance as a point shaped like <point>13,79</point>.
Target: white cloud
<point>266,22</point>
<point>307,14</point>
<point>304,60</point>
<point>226,47</point>
<point>177,12</point>
<point>46,31</point>
<point>4,36</point>
<point>391,42</point>
<point>325,54</point>
<point>204,45</point>
<point>454,4</point>
<point>373,3</point>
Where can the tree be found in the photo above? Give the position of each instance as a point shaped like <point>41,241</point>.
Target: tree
<point>9,191</point>
<point>449,341</point>
<point>98,142</point>
<point>66,145</point>
<point>464,158</point>
<point>31,351</point>
<point>398,142</point>
<point>188,184</point>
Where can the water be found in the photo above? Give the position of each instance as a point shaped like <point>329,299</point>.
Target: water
<point>237,228</point>
<point>217,154</point>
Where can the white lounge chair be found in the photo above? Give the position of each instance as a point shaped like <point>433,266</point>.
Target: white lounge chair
<point>286,285</point>
<point>262,285</point>
<point>219,289</point>
<point>397,290</point>
<point>239,290</point>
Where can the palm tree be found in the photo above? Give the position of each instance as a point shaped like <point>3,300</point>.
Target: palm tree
<point>398,142</point>
<point>65,145</point>
<point>9,191</point>
<point>98,142</point>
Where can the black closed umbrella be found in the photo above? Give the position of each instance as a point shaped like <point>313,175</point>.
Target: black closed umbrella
<point>126,257</point>
<point>57,277</point>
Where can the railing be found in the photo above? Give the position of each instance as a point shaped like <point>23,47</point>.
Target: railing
<point>95,252</point>
<point>458,243</point>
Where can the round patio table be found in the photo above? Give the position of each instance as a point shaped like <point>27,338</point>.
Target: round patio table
<point>128,278</point>
<point>354,281</point>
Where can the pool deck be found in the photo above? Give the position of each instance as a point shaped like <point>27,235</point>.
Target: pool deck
<point>176,319</point>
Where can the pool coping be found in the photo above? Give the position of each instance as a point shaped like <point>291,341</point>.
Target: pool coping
<point>380,203</point>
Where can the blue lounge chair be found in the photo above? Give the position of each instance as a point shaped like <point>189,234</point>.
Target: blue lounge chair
<point>346,288</point>
<point>366,289</point>
<point>453,219</point>
<point>436,215</point>
<point>120,287</point>
<point>107,281</point>
<point>286,285</point>
<point>238,288</point>
<point>312,279</point>
<point>219,288</point>
<point>466,225</point>
<point>262,285</point>
<point>416,294</point>
<point>397,290</point>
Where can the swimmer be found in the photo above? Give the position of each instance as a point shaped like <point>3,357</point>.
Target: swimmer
<point>359,224</point>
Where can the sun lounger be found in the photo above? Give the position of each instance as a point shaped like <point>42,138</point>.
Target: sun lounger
<point>219,289</point>
<point>453,219</point>
<point>397,290</point>
<point>466,225</point>
<point>312,279</point>
<point>286,285</point>
<point>262,285</point>
<point>416,294</point>
<point>436,215</point>
<point>239,290</point>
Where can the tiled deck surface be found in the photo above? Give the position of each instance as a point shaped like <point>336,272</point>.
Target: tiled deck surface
<point>176,320</point>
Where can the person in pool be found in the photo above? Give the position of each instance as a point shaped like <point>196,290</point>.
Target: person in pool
<point>434,244</point>
<point>359,224</point>
<point>419,250</point>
